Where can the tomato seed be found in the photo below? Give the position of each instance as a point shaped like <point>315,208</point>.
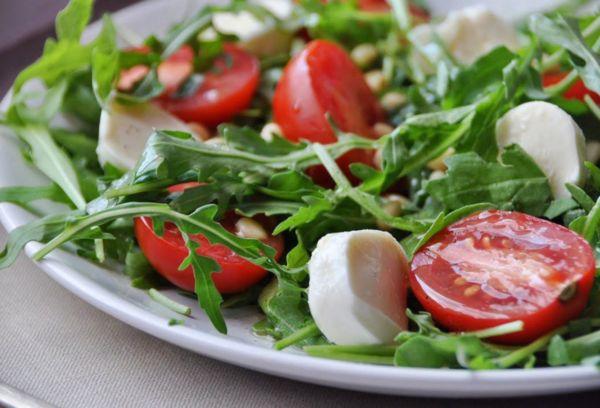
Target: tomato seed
<point>460,281</point>
<point>471,290</point>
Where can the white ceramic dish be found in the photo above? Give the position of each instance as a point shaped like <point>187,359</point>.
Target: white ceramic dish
<point>110,291</point>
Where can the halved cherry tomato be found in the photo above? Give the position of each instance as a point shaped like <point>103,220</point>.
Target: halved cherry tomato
<point>496,267</point>
<point>165,253</point>
<point>321,80</point>
<point>226,90</point>
<point>577,91</point>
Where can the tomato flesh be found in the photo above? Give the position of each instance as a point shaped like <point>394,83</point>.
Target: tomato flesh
<point>496,267</point>
<point>165,253</point>
<point>322,80</point>
<point>577,91</point>
<point>226,90</point>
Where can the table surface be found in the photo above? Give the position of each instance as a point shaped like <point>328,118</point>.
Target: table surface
<point>63,351</point>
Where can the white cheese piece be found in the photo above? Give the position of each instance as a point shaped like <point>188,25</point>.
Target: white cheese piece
<point>261,38</point>
<point>124,131</point>
<point>358,287</point>
<point>467,34</point>
<point>552,139</point>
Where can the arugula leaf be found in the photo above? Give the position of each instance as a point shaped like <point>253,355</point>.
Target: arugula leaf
<point>73,19</point>
<point>247,139</point>
<point>517,183</point>
<point>23,196</point>
<point>573,351</point>
<point>105,62</point>
<point>53,161</point>
<point>483,76</point>
<point>316,205</point>
<point>286,308</point>
<point>559,207</point>
<point>566,34</point>
<point>343,22</point>
<point>138,268</point>
<point>367,201</point>
<point>209,297</point>
<point>40,230</point>
<point>49,107</point>
<point>168,155</point>
<point>58,61</point>
<point>412,243</point>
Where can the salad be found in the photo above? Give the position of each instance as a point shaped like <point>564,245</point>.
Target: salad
<point>385,187</point>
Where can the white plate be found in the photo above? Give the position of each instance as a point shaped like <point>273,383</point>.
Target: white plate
<point>111,292</point>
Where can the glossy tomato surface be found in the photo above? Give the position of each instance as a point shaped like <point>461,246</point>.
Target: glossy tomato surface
<point>496,267</point>
<point>320,80</point>
<point>226,90</point>
<point>165,253</point>
<point>577,91</point>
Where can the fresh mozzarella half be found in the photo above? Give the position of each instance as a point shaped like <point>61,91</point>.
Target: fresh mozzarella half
<point>552,139</point>
<point>358,286</point>
<point>259,37</point>
<point>124,131</point>
<point>467,34</point>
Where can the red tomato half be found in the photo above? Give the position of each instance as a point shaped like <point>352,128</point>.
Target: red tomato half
<point>496,267</point>
<point>323,79</point>
<point>166,253</point>
<point>227,89</point>
<point>577,91</point>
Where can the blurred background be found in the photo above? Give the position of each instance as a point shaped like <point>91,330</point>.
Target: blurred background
<point>24,26</point>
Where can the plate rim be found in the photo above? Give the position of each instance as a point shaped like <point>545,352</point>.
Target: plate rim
<point>370,378</point>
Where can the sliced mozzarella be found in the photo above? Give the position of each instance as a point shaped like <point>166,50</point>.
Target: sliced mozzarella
<point>124,131</point>
<point>467,34</point>
<point>358,286</point>
<point>552,139</point>
<point>262,38</point>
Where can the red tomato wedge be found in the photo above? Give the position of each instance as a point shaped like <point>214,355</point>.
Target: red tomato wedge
<point>321,80</point>
<point>165,253</point>
<point>495,267</point>
<point>227,89</point>
<point>577,91</point>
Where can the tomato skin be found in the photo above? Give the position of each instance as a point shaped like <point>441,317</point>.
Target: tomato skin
<point>320,80</point>
<point>496,267</point>
<point>577,91</point>
<point>227,90</point>
<point>165,253</point>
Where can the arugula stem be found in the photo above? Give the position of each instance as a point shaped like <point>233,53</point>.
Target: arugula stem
<point>169,303</point>
<point>137,188</point>
<point>564,84</point>
<point>401,14</point>
<point>368,349</point>
<point>356,358</point>
<point>146,209</point>
<point>360,197</point>
<point>592,105</point>
<point>522,353</point>
<point>304,333</point>
<point>507,328</point>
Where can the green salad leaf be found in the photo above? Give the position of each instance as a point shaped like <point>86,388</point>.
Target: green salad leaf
<point>516,183</point>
